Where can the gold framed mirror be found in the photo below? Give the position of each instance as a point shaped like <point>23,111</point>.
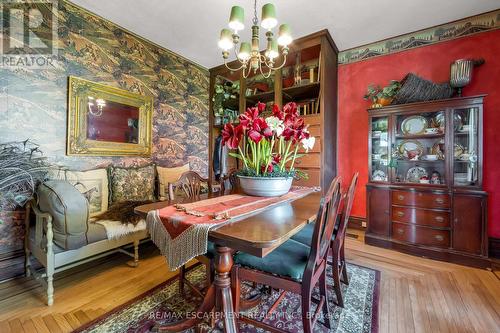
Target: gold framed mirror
<point>107,121</point>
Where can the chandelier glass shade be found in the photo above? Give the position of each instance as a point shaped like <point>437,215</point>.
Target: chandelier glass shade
<point>248,54</point>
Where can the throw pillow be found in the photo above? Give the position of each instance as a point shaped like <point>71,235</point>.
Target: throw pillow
<point>169,175</point>
<point>134,183</point>
<point>93,184</point>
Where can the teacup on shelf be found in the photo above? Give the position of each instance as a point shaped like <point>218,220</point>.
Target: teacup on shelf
<point>430,157</point>
<point>432,130</point>
<point>464,157</point>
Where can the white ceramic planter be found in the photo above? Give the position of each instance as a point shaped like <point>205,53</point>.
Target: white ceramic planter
<point>265,186</point>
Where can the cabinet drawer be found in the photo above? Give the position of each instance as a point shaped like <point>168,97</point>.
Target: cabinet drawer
<point>313,180</point>
<point>417,216</point>
<point>420,199</point>
<point>420,235</point>
<point>312,119</point>
<point>311,160</point>
<point>315,130</point>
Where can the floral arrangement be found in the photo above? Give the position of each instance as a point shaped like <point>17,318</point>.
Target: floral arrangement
<point>266,145</point>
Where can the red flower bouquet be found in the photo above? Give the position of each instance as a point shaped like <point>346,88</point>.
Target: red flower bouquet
<point>268,146</point>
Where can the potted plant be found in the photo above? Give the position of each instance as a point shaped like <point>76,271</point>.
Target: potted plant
<point>382,96</point>
<point>268,148</point>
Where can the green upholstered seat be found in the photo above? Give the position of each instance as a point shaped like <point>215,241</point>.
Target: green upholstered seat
<point>210,251</point>
<point>289,259</point>
<point>304,236</point>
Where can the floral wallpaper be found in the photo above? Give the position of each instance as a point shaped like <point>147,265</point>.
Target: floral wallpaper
<point>33,102</point>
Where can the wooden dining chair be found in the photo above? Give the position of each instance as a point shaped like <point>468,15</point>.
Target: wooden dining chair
<point>231,178</point>
<point>337,253</point>
<point>192,185</point>
<point>337,248</point>
<point>294,267</point>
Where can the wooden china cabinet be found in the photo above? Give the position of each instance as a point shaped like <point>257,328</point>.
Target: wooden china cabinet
<point>309,78</point>
<point>425,196</point>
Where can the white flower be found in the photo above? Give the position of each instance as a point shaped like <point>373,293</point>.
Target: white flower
<point>276,125</point>
<point>308,143</point>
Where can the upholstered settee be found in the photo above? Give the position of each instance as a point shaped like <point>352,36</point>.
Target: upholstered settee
<point>64,236</point>
<point>68,229</point>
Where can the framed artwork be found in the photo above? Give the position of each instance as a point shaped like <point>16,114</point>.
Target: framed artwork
<point>107,121</point>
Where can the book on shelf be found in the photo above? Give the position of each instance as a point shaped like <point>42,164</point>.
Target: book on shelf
<point>308,107</point>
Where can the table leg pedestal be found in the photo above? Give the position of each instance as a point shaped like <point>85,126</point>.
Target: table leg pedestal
<point>218,297</point>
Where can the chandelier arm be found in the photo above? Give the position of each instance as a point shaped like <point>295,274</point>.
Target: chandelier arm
<point>243,65</point>
<point>262,59</point>
<point>248,73</point>
<point>283,63</point>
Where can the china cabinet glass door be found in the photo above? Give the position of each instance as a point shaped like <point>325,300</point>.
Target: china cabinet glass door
<point>418,153</point>
<point>380,149</point>
<point>466,147</point>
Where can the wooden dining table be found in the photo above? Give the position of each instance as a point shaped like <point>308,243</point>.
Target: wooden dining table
<point>258,234</point>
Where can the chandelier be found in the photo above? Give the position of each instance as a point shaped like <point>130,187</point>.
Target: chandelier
<point>249,55</point>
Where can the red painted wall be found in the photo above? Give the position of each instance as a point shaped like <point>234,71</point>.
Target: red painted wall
<point>433,63</point>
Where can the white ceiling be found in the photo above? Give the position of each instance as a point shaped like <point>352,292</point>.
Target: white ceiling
<point>191,27</point>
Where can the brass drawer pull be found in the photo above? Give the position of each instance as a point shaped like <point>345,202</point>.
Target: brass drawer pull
<point>400,214</point>
<point>401,197</point>
<point>439,238</point>
<point>401,231</point>
<point>439,219</point>
<point>439,201</point>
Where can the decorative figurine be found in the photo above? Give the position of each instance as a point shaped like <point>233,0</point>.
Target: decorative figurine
<point>435,178</point>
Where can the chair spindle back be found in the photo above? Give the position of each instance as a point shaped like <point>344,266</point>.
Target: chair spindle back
<point>191,183</point>
<point>324,225</point>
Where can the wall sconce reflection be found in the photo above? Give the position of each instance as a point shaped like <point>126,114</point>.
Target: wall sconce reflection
<point>96,106</point>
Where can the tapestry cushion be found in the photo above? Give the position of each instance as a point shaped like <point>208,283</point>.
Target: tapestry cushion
<point>69,210</point>
<point>289,259</point>
<point>93,184</point>
<point>169,175</point>
<point>133,183</point>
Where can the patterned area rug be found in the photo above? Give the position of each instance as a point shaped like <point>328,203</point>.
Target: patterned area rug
<point>164,304</point>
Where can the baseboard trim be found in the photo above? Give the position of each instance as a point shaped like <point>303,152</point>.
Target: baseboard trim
<point>357,223</point>
<point>494,248</point>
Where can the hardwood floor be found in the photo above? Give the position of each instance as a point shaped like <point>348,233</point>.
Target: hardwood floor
<point>417,295</point>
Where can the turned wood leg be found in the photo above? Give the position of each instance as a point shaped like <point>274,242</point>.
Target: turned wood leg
<point>50,288</point>
<point>50,263</point>
<point>222,282</point>
<point>182,276</point>
<point>136,253</point>
<point>221,289</point>
<point>27,263</point>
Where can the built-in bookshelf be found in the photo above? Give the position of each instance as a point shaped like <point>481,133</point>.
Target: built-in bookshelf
<point>308,78</point>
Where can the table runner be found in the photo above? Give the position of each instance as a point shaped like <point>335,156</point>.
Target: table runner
<point>180,231</point>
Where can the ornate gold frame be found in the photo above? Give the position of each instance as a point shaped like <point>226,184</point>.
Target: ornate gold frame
<point>79,144</point>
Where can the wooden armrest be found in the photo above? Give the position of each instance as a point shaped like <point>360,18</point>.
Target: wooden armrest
<point>42,219</point>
